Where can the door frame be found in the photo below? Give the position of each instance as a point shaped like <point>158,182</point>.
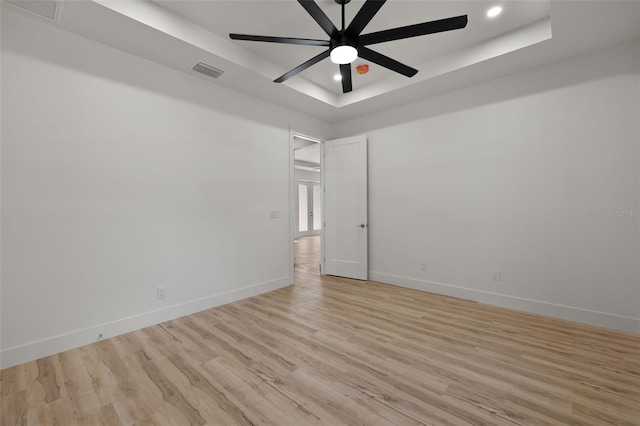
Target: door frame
<point>293,219</point>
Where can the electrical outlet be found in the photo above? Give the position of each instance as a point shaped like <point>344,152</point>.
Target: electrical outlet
<point>423,265</point>
<point>161,292</point>
<point>497,274</point>
<point>274,214</point>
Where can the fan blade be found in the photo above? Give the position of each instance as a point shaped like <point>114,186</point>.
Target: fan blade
<point>387,62</point>
<point>364,16</point>
<point>287,40</point>
<point>424,28</point>
<point>345,71</point>
<point>302,67</point>
<point>318,15</point>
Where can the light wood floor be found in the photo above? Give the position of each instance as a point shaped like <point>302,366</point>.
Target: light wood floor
<point>338,352</point>
<point>308,252</point>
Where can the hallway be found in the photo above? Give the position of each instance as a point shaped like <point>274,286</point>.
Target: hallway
<point>307,256</point>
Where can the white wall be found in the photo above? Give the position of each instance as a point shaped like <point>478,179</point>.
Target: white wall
<point>120,175</point>
<point>515,174</point>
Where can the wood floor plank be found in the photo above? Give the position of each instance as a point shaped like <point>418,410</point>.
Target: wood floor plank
<point>334,351</point>
<point>227,412</point>
<point>293,408</point>
<point>259,410</point>
<point>48,378</point>
<point>13,408</point>
<point>170,392</point>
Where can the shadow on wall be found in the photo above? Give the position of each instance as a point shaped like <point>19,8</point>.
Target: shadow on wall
<point>468,95</point>
<point>24,36</point>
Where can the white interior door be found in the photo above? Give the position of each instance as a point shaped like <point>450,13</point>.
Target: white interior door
<point>345,242</point>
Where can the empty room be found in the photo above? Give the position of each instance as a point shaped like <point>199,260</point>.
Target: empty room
<point>320,212</point>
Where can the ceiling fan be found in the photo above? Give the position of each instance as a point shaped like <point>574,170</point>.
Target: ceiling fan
<point>347,44</point>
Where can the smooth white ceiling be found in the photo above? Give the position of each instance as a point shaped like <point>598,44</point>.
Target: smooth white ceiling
<point>309,154</point>
<point>289,19</point>
<point>178,34</point>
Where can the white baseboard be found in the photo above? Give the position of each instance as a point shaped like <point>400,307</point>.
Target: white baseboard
<point>53,345</point>
<point>603,319</point>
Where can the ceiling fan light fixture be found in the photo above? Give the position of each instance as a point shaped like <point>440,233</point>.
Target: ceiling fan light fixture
<point>344,54</point>
<point>348,44</point>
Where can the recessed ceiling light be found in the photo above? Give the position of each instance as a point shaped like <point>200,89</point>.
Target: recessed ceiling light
<point>337,77</point>
<point>494,11</point>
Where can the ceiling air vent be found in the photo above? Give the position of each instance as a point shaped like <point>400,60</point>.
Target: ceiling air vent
<point>205,69</point>
<point>48,9</point>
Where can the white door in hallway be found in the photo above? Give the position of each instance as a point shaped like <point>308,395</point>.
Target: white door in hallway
<point>345,241</point>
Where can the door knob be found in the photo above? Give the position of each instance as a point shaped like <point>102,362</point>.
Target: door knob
<point>362,225</point>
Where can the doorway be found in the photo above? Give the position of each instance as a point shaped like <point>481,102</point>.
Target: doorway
<point>341,207</point>
<point>306,201</point>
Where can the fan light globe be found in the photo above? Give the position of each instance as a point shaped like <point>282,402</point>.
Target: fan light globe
<point>344,54</point>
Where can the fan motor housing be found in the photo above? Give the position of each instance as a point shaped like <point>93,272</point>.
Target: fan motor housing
<point>342,40</point>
